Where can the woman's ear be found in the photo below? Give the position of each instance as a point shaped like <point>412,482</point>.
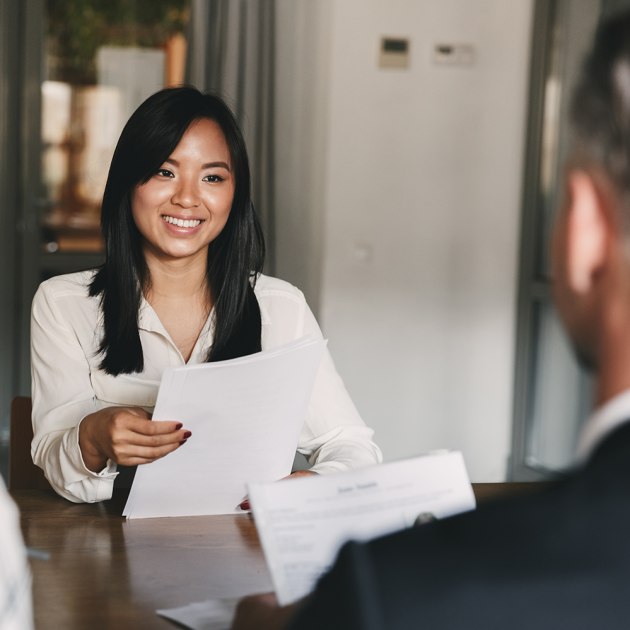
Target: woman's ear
<point>587,228</point>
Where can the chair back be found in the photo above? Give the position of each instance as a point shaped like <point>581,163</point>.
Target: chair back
<point>23,473</point>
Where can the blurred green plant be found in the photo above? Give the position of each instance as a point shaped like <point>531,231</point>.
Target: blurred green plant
<point>77,28</point>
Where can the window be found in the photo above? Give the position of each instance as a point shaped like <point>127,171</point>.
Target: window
<point>102,58</point>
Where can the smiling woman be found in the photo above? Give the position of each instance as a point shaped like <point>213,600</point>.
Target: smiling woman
<point>179,212</point>
<point>182,283</point>
<point>186,204</point>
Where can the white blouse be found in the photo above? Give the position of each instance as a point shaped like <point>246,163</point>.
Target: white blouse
<point>68,385</point>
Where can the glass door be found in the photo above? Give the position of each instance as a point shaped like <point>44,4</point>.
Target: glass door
<point>87,64</point>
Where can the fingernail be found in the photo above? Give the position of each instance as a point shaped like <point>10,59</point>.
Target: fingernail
<point>178,426</point>
<point>245,505</point>
<point>183,442</point>
<point>187,434</point>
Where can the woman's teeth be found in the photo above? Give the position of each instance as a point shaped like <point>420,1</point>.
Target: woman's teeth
<point>181,222</point>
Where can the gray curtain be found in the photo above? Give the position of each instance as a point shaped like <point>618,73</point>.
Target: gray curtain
<point>9,202</point>
<point>231,51</point>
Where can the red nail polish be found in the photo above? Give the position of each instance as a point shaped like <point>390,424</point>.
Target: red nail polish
<point>183,442</point>
<point>178,426</point>
<point>187,434</point>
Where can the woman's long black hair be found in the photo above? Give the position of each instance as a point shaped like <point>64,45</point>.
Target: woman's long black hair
<point>235,256</point>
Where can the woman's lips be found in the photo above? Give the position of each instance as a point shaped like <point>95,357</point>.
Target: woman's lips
<point>182,225</point>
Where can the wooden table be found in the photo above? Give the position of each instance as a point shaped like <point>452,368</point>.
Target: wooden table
<point>108,573</point>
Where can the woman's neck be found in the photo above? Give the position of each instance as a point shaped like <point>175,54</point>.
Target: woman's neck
<point>177,279</point>
<point>179,296</point>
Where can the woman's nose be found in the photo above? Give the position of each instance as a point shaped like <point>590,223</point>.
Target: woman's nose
<point>186,194</point>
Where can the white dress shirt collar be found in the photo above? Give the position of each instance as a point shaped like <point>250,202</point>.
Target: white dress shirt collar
<point>603,422</point>
<point>149,321</point>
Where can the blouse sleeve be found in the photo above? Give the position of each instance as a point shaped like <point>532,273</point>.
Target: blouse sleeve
<point>334,438</point>
<point>62,396</point>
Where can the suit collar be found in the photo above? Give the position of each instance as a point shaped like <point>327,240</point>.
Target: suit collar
<point>616,441</point>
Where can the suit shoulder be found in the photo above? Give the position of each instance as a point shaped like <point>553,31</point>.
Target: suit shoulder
<point>486,535</point>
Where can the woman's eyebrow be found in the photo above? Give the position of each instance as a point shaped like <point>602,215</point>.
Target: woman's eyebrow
<point>215,164</point>
<point>208,165</point>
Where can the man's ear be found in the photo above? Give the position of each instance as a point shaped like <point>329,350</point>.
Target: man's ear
<point>586,232</point>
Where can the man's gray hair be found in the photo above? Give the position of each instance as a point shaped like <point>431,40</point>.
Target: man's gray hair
<point>600,109</point>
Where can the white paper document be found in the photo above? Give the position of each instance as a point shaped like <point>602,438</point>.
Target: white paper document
<point>213,614</point>
<point>245,416</point>
<point>302,523</point>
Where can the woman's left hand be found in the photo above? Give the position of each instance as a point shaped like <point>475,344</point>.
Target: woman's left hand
<point>298,473</point>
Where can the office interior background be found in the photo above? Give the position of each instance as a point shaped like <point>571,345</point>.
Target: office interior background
<point>406,158</point>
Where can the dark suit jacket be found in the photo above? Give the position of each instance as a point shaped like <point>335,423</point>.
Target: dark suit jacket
<point>554,560</point>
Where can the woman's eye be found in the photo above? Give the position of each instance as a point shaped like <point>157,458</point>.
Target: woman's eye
<point>213,178</point>
<point>165,173</point>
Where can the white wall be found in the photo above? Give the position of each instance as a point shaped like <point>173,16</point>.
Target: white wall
<point>304,30</point>
<point>424,169</point>
<point>418,173</point>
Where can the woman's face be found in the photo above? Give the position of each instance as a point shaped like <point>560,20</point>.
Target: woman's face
<point>186,204</point>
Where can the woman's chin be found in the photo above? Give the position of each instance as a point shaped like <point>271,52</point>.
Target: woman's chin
<point>177,251</point>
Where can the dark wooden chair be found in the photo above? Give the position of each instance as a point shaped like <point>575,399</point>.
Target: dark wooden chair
<point>23,474</point>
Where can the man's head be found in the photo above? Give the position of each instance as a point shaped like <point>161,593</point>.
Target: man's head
<point>591,248</point>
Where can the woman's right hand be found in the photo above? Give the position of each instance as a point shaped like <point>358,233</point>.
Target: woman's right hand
<point>127,436</point>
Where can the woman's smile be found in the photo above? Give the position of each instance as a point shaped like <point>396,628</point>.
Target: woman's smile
<point>179,224</point>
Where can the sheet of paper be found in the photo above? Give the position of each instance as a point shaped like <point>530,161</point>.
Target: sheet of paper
<point>245,416</point>
<point>213,614</point>
<point>302,523</point>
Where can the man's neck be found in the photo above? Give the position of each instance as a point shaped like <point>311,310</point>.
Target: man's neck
<point>613,360</point>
